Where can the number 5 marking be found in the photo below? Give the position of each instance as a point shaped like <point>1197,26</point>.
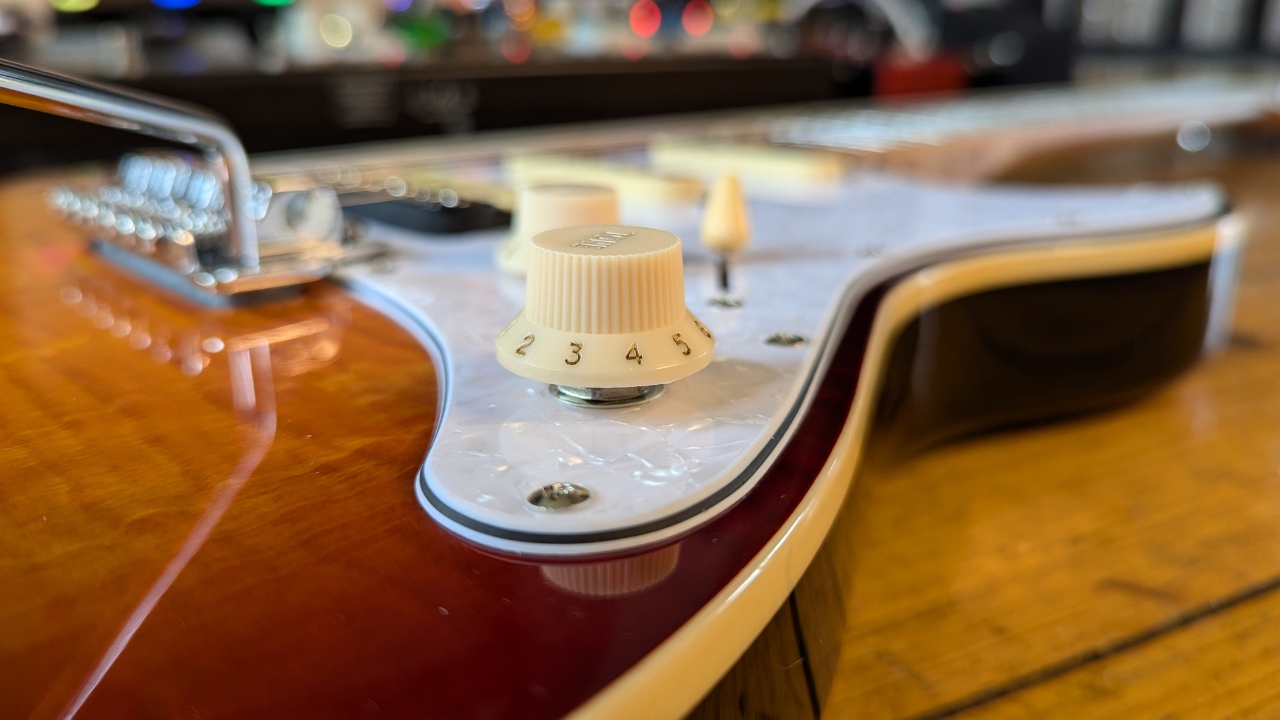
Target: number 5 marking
<point>681,343</point>
<point>528,340</point>
<point>577,354</point>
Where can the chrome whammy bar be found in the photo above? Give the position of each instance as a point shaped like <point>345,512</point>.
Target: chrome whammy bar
<point>199,222</point>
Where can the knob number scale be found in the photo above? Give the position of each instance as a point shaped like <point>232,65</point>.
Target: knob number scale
<point>633,352</point>
<point>614,360</point>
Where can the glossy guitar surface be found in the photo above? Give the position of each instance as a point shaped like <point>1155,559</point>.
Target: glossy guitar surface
<point>213,511</point>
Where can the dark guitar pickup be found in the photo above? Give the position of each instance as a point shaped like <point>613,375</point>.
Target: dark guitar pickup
<point>431,214</point>
<point>420,200</point>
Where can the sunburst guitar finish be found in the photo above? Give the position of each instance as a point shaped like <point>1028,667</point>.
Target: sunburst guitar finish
<point>320,507</point>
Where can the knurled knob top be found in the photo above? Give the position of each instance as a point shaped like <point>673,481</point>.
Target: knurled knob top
<point>605,279</point>
<point>605,308</point>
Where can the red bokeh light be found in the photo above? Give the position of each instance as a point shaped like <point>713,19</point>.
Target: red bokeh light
<point>743,41</point>
<point>516,47</point>
<point>635,49</point>
<point>645,18</point>
<point>697,17</point>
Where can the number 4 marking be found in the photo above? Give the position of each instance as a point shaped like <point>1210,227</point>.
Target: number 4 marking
<point>634,354</point>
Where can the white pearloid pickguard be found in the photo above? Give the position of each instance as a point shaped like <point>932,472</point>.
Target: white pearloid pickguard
<point>656,469</point>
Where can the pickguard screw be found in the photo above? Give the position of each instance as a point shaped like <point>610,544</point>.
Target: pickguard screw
<point>786,339</point>
<point>559,495</point>
<point>725,301</point>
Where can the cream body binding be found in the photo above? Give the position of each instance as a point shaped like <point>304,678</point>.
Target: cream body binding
<point>670,680</point>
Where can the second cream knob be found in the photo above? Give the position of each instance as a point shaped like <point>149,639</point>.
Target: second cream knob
<point>546,207</point>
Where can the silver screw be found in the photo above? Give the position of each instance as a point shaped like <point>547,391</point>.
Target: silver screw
<point>786,339</point>
<point>559,495</point>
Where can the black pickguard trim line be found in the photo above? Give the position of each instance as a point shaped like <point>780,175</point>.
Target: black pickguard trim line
<point>758,465</point>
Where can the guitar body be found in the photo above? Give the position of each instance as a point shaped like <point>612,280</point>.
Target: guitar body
<point>215,512</point>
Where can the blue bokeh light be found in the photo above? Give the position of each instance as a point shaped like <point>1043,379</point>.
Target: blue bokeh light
<point>176,4</point>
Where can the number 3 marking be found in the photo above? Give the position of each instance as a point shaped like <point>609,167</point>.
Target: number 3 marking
<point>577,354</point>
<point>681,343</point>
<point>528,340</point>
<point>634,354</point>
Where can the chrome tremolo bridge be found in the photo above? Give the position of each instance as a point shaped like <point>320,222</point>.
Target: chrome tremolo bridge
<point>195,221</point>
<point>170,209</point>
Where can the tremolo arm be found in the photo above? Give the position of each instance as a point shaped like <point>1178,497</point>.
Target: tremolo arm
<point>199,222</point>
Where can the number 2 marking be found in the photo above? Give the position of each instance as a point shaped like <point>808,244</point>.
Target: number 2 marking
<point>634,354</point>
<point>681,343</point>
<point>528,340</point>
<point>577,354</point>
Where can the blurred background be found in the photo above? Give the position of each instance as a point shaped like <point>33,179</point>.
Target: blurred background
<point>302,73</point>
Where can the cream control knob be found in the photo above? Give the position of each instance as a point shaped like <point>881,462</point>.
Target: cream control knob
<point>604,321</point>
<point>546,207</point>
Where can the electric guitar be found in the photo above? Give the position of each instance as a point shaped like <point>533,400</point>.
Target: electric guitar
<point>274,450</point>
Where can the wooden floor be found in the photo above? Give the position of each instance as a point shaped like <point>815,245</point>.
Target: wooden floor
<point>1123,565</point>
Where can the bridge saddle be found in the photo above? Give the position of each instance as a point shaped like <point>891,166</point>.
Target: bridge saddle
<point>170,210</point>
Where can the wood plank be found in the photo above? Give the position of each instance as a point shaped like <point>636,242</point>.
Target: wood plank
<point>994,558</point>
<point>1224,665</point>
<point>768,682</point>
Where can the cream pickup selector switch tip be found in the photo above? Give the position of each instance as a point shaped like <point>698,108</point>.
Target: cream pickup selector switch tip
<point>726,227</point>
